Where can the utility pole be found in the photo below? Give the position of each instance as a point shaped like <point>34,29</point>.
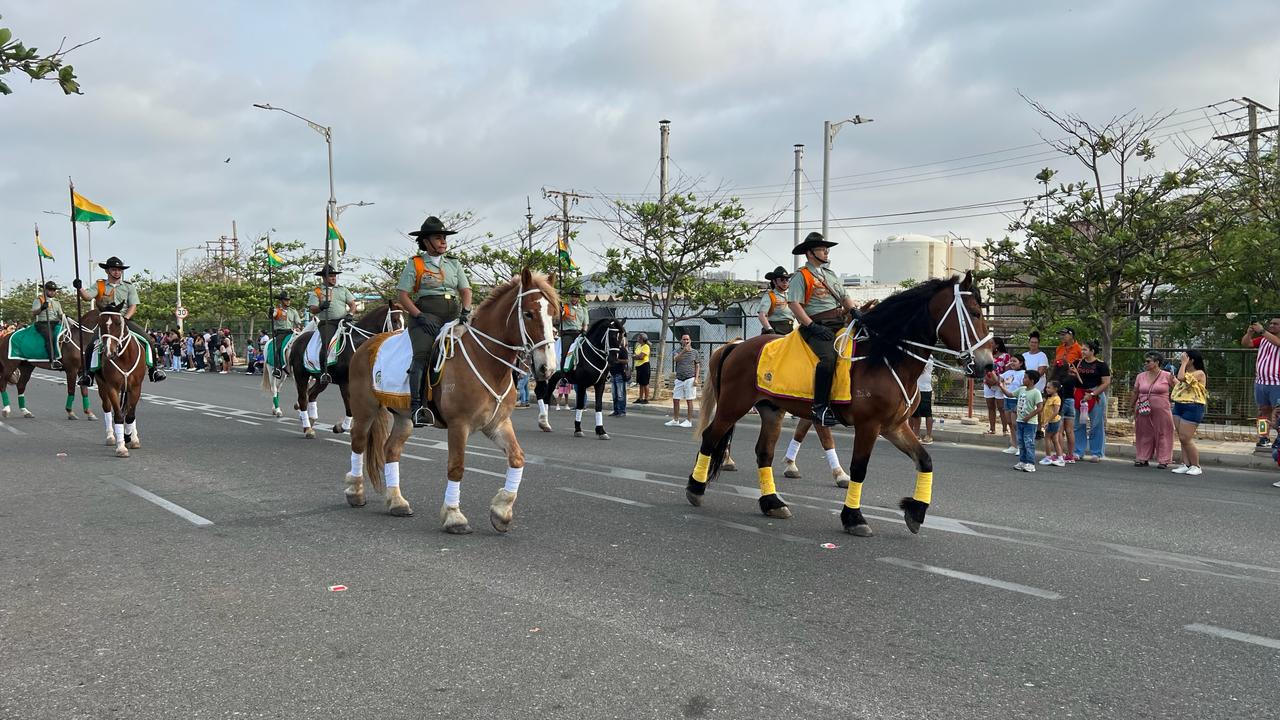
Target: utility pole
<point>799,156</point>
<point>567,198</point>
<point>664,134</point>
<point>528,224</point>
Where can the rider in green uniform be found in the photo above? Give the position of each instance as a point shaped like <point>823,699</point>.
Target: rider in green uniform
<point>116,292</point>
<point>434,289</point>
<point>331,304</point>
<point>819,302</point>
<point>775,314</point>
<point>46,314</point>
<point>574,318</point>
<point>284,321</point>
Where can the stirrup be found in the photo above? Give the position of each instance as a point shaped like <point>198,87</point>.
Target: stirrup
<point>156,375</point>
<point>422,416</point>
<point>55,364</point>
<point>277,373</point>
<point>324,378</point>
<point>85,380</point>
<point>823,415</point>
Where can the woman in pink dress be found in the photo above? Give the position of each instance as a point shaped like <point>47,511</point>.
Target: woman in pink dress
<point>1153,413</point>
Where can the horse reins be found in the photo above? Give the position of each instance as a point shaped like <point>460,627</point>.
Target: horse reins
<point>122,343</point>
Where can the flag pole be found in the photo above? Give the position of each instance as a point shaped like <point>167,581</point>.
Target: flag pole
<point>75,250</point>
<point>271,300</point>
<point>40,291</point>
<point>324,279</point>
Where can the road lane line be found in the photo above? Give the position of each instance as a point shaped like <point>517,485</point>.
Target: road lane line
<point>751,529</point>
<point>12,429</point>
<point>151,497</point>
<point>610,498</point>
<point>979,579</point>
<point>246,422</point>
<point>1216,631</point>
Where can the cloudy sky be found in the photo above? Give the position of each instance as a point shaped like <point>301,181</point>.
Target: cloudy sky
<point>474,106</point>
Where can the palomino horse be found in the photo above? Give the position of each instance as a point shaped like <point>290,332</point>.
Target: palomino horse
<point>381,319</point>
<point>605,337</point>
<point>120,374</point>
<point>18,372</point>
<point>896,337</point>
<point>515,318</point>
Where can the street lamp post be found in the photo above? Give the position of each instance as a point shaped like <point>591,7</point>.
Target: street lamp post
<point>337,212</point>
<point>327,132</point>
<point>88,238</point>
<point>829,131</point>
<point>177,271</point>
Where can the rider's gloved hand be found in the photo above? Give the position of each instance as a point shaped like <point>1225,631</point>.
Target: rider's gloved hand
<point>323,306</point>
<point>464,317</point>
<point>77,284</point>
<point>44,306</point>
<point>822,332</point>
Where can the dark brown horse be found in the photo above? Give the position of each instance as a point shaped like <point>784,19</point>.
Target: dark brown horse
<point>122,368</point>
<point>380,319</point>
<point>894,341</point>
<point>18,372</point>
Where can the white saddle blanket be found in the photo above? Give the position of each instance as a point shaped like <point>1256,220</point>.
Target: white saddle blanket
<point>392,356</point>
<point>311,358</point>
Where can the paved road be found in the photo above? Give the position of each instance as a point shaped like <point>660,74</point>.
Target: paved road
<point>1094,591</point>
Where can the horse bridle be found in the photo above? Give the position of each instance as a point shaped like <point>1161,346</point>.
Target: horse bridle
<point>601,353</point>
<point>122,341</point>
<point>969,340</point>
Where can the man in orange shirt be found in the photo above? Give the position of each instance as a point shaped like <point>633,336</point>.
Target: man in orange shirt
<point>1066,355</point>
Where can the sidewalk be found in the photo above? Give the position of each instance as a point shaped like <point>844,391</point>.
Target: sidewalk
<point>1219,446</point>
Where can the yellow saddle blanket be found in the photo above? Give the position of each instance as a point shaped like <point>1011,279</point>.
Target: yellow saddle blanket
<point>786,369</point>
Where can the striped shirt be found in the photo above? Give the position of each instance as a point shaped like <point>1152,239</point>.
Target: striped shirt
<point>1268,371</point>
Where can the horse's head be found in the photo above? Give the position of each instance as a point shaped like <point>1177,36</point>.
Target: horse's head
<point>111,321</point>
<point>536,305</point>
<point>956,310</point>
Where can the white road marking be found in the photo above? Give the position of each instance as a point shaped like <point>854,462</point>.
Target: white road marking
<point>1233,635</point>
<point>247,422</point>
<point>751,529</point>
<point>214,415</point>
<point>979,579</point>
<point>11,429</point>
<point>610,498</point>
<point>151,497</point>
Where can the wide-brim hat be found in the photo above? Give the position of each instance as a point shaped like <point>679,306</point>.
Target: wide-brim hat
<point>328,270</point>
<point>432,226</point>
<point>779,273</point>
<point>113,262</point>
<point>51,285</point>
<point>812,241</point>
<point>1067,331</point>
<point>282,295</point>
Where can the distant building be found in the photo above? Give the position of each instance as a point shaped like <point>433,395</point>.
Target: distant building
<point>921,257</point>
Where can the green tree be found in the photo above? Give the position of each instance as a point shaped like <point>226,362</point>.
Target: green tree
<point>666,250</point>
<point>1105,250</point>
<point>16,57</point>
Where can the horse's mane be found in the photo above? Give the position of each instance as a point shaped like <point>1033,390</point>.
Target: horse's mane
<point>903,316</point>
<point>597,327</point>
<point>501,296</point>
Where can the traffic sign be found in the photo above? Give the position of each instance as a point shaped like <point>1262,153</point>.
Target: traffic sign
<point>180,312</point>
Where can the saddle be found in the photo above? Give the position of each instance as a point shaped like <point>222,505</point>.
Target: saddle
<point>27,344</point>
<point>786,369</point>
<point>391,355</point>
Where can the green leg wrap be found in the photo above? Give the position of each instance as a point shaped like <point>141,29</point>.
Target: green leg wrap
<point>22,402</point>
<point>4,398</point>
<point>85,400</point>
<point>71,401</point>
<point>275,402</point>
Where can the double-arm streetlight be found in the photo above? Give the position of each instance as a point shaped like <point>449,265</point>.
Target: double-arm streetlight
<point>88,237</point>
<point>829,131</point>
<point>177,271</point>
<point>327,132</point>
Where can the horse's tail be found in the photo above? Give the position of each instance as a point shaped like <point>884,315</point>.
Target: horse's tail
<point>707,406</point>
<point>375,449</point>
<point>267,386</point>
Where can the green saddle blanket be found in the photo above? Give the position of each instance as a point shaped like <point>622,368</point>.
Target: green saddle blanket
<point>27,344</point>
<point>95,364</point>
<point>269,352</point>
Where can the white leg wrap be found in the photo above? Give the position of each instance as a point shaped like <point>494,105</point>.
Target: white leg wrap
<point>392,472</point>
<point>833,460</point>
<point>346,423</point>
<point>357,464</point>
<point>599,418</point>
<point>106,420</point>
<point>306,419</point>
<point>119,434</point>
<point>793,450</point>
<point>542,407</point>
<point>130,429</point>
<point>577,416</point>
<point>514,476</point>
<point>452,493</point>
<point>313,410</point>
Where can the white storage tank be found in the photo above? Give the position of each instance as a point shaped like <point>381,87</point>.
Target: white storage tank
<point>909,257</point>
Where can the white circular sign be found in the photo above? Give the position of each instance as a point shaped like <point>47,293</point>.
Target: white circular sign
<point>181,312</point>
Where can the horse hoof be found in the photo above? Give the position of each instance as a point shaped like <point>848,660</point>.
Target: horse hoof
<point>782,513</point>
<point>356,500</point>
<point>500,523</point>
<point>122,453</point>
<point>694,491</point>
<point>729,466</point>
<point>27,413</point>
<point>693,498</point>
<point>111,441</point>
<point>90,416</point>
<point>579,433</point>
<point>543,425</point>
<point>309,434</point>
<point>792,472</point>
<point>842,482</point>
<point>4,412</point>
<point>773,506</point>
<point>277,413</point>
<point>135,445</point>
<point>337,430</point>
<point>863,530</point>
<point>913,513</point>
<point>400,510</point>
<point>603,436</point>
<point>71,415</point>
<point>463,529</point>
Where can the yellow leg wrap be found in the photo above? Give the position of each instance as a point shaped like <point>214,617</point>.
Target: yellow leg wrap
<point>700,468</point>
<point>766,481</point>
<point>853,497</point>
<point>924,487</point>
